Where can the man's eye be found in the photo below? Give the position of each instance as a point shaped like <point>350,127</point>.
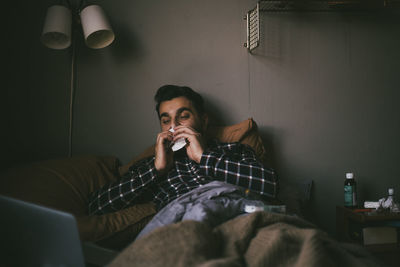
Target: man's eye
<point>186,116</point>
<point>165,121</point>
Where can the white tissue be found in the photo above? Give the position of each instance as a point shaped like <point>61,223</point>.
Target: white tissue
<point>388,203</point>
<point>252,208</point>
<point>180,143</point>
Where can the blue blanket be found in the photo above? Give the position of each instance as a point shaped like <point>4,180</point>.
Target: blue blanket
<point>213,203</point>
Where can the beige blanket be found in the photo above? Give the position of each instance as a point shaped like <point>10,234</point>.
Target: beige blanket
<point>258,239</point>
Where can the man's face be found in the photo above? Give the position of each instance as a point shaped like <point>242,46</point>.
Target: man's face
<point>180,111</point>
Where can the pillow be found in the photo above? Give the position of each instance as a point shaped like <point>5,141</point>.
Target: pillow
<point>65,184</point>
<point>62,184</point>
<point>116,230</point>
<point>245,132</point>
<point>124,237</point>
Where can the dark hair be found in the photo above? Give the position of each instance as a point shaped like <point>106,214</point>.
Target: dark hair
<point>168,92</point>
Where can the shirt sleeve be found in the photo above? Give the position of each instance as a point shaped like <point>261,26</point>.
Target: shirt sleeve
<point>120,194</point>
<point>237,164</point>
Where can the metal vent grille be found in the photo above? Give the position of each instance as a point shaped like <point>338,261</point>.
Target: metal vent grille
<point>253,28</point>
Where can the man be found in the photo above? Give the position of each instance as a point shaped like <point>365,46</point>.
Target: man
<point>168,174</point>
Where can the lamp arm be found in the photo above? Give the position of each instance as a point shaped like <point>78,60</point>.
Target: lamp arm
<point>72,92</point>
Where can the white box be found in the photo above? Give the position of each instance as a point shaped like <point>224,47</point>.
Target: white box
<point>371,204</point>
<point>379,235</point>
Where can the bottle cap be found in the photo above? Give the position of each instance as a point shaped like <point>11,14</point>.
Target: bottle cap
<point>391,191</point>
<point>349,175</point>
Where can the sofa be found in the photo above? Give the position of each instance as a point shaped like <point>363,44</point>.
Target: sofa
<point>66,183</point>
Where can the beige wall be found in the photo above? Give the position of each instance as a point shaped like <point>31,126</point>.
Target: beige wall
<point>323,88</point>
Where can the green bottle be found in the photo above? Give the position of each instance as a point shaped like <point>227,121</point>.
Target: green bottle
<point>350,191</point>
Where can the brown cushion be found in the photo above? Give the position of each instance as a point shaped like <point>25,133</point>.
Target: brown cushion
<point>65,184</point>
<point>116,230</point>
<point>124,237</point>
<point>245,132</point>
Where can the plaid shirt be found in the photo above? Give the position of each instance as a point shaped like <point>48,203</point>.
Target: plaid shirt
<point>233,163</point>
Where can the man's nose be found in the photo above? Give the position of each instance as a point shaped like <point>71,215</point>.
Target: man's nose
<point>175,123</point>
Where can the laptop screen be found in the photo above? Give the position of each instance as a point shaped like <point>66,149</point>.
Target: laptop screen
<point>34,235</point>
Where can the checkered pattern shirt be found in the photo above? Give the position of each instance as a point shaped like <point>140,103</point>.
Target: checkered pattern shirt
<point>233,163</point>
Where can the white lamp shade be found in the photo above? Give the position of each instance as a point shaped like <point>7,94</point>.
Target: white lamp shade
<point>96,28</point>
<point>57,27</point>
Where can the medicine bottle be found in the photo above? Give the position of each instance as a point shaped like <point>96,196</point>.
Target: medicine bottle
<point>390,198</point>
<point>350,191</point>
<point>394,206</point>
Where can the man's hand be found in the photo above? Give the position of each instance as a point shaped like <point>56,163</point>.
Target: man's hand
<point>163,153</point>
<point>195,143</point>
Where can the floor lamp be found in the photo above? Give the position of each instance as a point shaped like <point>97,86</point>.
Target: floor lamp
<point>60,32</point>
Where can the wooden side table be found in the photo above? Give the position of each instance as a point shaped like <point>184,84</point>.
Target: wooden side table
<point>349,225</point>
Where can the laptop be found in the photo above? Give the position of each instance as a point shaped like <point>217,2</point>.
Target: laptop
<point>34,235</point>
